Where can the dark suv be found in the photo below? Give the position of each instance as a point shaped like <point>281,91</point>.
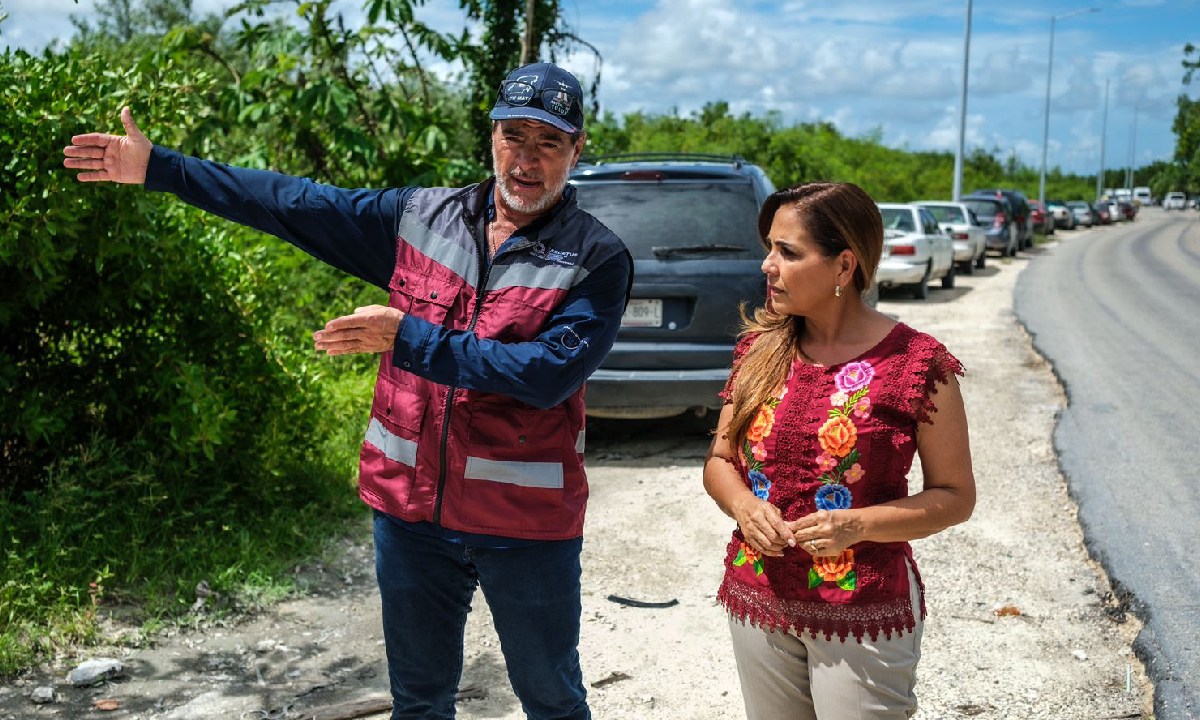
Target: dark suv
<point>1022,214</point>
<point>690,222</point>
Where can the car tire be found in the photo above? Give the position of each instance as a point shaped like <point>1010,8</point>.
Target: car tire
<point>948,278</point>
<point>981,261</point>
<point>967,268</point>
<point>921,289</point>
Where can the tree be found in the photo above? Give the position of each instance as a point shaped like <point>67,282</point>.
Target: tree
<point>1185,172</point>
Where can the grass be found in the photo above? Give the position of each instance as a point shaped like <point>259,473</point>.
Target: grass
<point>106,530</point>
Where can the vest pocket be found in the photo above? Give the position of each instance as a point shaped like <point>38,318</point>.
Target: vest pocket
<point>388,461</point>
<point>428,297</point>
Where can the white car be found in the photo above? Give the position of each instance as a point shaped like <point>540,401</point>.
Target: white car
<point>1174,201</point>
<point>915,250</point>
<point>965,231</point>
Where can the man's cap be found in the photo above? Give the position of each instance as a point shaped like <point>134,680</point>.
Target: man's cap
<point>544,92</point>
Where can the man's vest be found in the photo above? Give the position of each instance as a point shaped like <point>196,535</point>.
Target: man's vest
<point>468,460</point>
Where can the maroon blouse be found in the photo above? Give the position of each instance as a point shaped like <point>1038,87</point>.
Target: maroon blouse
<point>836,437</point>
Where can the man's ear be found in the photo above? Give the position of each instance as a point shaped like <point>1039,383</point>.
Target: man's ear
<point>577,150</point>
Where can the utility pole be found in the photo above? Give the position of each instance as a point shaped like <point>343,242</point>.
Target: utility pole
<point>962,109</point>
<point>1103,138</point>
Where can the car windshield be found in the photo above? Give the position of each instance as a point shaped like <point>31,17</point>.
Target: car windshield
<point>690,215</point>
<point>947,213</point>
<point>898,219</point>
<point>983,208</point>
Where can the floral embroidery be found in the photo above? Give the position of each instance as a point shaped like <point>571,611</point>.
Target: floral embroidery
<point>854,376</point>
<point>839,465</point>
<point>755,452</point>
<point>747,554</point>
<point>838,570</point>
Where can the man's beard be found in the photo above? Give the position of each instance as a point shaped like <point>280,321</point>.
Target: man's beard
<point>528,207</point>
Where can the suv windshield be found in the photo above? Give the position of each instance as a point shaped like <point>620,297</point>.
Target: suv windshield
<point>681,219</point>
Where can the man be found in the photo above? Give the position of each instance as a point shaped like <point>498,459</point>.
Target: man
<point>503,298</point>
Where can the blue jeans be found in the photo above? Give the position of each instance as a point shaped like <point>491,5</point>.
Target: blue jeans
<point>426,584</point>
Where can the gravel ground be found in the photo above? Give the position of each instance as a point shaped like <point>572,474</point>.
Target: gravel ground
<point>1022,626</point>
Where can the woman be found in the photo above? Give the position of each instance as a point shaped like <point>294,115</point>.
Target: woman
<point>827,402</point>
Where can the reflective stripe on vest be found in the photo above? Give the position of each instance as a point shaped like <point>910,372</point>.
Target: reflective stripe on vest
<point>393,447</point>
<point>515,472</point>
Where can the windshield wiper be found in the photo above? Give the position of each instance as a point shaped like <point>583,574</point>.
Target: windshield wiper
<point>715,248</point>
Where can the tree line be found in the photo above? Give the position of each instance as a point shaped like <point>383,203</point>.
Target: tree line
<point>163,419</point>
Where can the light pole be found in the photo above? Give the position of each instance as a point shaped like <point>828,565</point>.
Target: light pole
<point>1103,139</point>
<point>1046,122</point>
<point>962,109</point>
<point>1132,155</point>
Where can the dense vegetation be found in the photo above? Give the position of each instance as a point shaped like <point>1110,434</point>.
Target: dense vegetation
<point>163,419</point>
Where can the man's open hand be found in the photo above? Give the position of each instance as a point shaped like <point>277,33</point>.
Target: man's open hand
<point>370,329</point>
<point>111,158</point>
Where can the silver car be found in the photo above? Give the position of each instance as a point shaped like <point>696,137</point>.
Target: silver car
<point>915,250</point>
<point>1082,212</point>
<point>965,231</point>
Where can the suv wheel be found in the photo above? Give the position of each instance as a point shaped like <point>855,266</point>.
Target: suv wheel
<point>981,261</point>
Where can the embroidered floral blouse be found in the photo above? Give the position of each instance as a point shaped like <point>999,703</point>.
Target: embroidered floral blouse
<point>835,437</point>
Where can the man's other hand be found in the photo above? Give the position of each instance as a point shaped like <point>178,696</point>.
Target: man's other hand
<point>370,329</point>
<point>110,158</point>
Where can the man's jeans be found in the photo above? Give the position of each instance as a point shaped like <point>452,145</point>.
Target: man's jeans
<point>426,584</point>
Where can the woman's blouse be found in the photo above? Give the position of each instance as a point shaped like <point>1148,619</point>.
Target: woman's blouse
<point>835,437</point>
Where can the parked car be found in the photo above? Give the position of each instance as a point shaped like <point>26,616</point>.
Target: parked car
<point>1061,214</point>
<point>691,224</point>
<point>1128,209</point>
<point>1082,212</point>
<point>1020,213</point>
<point>915,251</point>
<point>1114,211</point>
<point>1043,223</point>
<point>964,230</point>
<point>1103,213</point>
<point>1174,201</point>
<point>999,229</point>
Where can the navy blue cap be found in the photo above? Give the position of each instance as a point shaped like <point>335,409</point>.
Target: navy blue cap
<point>543,92</point>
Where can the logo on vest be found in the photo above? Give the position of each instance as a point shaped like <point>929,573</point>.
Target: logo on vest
<point>559,257</point>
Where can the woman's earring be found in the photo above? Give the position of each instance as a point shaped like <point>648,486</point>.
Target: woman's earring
<point>837,290</point>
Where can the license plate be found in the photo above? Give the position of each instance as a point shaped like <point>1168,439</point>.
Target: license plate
<point>642,313</point>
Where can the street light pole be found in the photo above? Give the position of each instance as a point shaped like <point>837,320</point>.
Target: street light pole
<point>962,109</point>
<point>1046,119</point>
<point>1132,147</point>
<point>1103,139</point>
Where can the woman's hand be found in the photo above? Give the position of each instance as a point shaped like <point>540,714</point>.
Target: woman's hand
<point>763,526</point>
<point>826,533</point>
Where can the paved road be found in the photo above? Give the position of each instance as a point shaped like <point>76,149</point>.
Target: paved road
<point>1116,311</point>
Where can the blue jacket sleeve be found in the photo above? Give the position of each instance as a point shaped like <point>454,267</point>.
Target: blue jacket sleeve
<point>541,372</point>
<point>352,230</point>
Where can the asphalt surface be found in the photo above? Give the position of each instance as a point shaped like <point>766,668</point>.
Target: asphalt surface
<point>1116,311</point>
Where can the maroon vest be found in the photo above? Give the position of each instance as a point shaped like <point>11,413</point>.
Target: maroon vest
<point>468,460</point>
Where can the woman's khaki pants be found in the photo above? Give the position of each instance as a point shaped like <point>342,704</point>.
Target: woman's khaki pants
<point>791,677</point>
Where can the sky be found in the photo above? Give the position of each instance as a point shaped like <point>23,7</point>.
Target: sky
<point>886,68</point>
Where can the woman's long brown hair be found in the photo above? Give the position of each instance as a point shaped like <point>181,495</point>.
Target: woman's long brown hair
<point>837,216</point>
